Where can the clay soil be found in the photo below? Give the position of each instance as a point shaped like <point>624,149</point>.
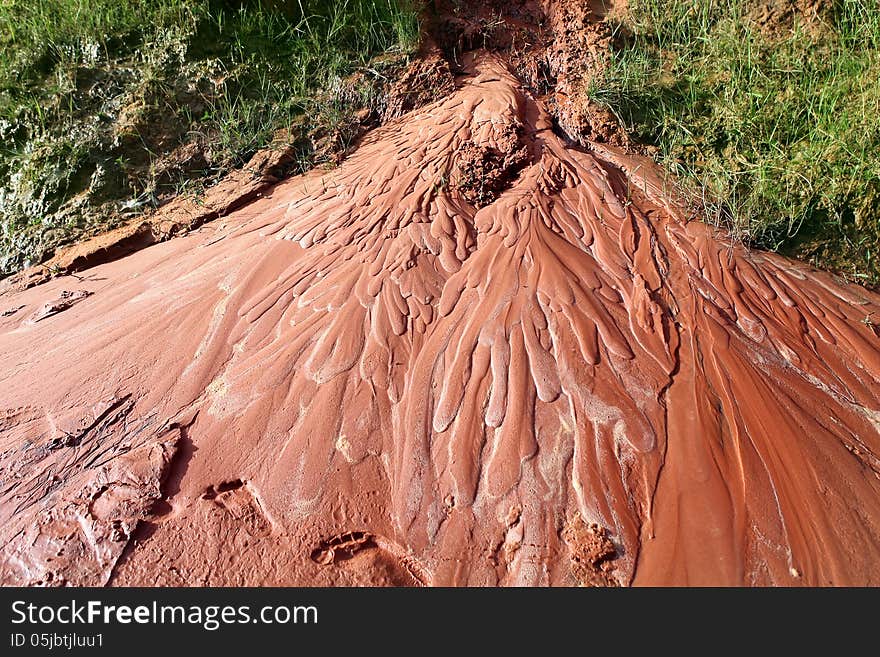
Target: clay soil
<point>485,349</point>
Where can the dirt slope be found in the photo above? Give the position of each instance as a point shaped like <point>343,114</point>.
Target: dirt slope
<point>389,373</point>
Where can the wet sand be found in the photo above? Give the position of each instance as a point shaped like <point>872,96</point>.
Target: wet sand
<point>387,373</point>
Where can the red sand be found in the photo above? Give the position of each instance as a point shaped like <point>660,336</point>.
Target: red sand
<point>365,379</point>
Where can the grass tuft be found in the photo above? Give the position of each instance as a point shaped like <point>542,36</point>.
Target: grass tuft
<point>108,107</point>
<point>769,120</point>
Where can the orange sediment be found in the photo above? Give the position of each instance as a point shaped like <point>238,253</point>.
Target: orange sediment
<point>420,387</point>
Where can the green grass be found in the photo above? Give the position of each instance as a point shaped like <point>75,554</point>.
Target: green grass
<point>108,107</point>
<point>773,128</point>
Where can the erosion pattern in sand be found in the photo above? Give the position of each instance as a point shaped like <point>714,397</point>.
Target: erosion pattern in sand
<point>366,378</point>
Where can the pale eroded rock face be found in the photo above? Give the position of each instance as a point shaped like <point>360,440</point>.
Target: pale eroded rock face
<point>369,377</point>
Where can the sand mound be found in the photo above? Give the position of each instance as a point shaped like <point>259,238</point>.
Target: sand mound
<point>390,374</point>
